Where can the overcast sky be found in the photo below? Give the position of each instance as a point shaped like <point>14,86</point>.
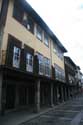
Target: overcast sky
<point>65,19</point>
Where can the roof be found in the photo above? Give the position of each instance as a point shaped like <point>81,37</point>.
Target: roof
<point>42,24</point>
<point>70,60</point>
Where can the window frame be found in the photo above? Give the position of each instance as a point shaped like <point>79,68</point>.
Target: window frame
<point>39,32</point>
<point>17,10</point>
<point>41,63</point>
<point>47,66</point>
<point>16,56</point>
<point>28,23</point>
<point>46,39</point>
<point>29,57</point>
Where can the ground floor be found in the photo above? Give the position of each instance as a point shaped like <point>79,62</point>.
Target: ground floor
<point>18,92</point>
<point>68,113</point>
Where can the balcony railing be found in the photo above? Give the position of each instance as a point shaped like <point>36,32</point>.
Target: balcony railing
<point>59,77</point>
<point>44,70</point>
<point>2,57</point>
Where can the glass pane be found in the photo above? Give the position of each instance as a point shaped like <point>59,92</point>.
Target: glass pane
<point>29,62</point>
<point>46,39</point>
<point>39,32</point>
<point>16,57</point>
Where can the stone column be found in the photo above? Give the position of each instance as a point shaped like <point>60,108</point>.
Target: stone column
<point>37,96</point>
<point>65,94</point>
<point>57,94</point>
<point>68,92</point>
<point>54,94</point>
<point>62,95</point>
<point>0,91</point>
<point>27,101</point>
<point>52,104</point>
<point>17,97</point>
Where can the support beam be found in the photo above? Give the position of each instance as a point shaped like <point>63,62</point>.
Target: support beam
<point>1,79</point>
<point>68,90</point>
<point>57,94</point>
<point>54,95</point>
<point>62,95</point>
<point>52,104</point>
<point>65,94</point>
<point>37,96</point>
<point>27,96</point>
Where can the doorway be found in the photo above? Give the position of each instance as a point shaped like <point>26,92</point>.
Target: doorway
<point>10,96</point>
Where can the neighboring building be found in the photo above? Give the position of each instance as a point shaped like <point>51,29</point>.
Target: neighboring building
<point>70,71</point>
<point>79,77</point>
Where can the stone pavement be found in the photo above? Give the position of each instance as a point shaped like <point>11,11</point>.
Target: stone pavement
<point>68,113</point>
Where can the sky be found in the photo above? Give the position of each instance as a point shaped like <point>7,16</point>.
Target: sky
<point>65,19</point>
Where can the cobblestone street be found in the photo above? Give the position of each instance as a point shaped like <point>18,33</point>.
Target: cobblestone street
<point>69,113</point>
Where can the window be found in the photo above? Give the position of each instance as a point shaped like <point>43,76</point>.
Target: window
<point>54,48</point>
<point>46,39</point>
<point>18,12</point>
<point>59,73</point>
<point>29,62</point>
<point>56,73</point>
<point>16,57</point>
<point>39,33</point>
<point>61,56</point>
<point>47,66</point>
<point>41,64</point>
<point>63,75</point>
<point>28,23</point>
<point>58,51</point>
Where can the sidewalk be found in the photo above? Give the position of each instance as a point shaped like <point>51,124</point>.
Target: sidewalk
<point>16,118</point>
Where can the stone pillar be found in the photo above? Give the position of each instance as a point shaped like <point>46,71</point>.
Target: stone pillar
<point>62,95</point>
<point>57,94</point>
<point>0,91</point>
<point>65,93</point>
<point>17,97</point>
<point>52,104</point>
<point>27,96</point>
<point>68,92</point>
<point>37,96</point>
<point>54,95</point>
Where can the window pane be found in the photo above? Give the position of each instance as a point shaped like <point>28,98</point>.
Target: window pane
<point>47,66</point>
<point>41,64</point>
<point>16,57</point>
<point>30,25</point>
<point>39,33</point>
<point>18,12</point>
<point>46,39</point>
<point>29,62</point>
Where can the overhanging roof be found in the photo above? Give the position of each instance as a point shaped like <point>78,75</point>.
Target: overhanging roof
<point>71,61</point>
<point>42,24</point>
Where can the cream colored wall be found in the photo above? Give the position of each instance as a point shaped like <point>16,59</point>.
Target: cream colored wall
<point>56,59</point>
<point>21,33</point>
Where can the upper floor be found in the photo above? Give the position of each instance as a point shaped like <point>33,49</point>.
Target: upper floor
<point>23,25</point>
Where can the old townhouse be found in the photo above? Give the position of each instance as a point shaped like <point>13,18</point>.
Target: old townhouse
<point>79,78</point>
<point>70,72</point>
<point>32,72</point>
